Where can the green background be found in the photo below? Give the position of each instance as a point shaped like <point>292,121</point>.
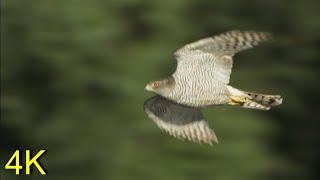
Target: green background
<point>72,82</point>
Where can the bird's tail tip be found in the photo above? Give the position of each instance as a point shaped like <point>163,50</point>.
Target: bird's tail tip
<point>266,100</point>
<point>254,100</point>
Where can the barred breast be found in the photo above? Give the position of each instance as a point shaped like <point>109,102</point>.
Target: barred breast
<point>197,86</point>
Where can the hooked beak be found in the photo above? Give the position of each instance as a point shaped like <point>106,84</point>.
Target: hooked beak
<point>148,88</point>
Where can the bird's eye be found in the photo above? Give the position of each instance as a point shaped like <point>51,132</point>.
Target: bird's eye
<point>156,85</point>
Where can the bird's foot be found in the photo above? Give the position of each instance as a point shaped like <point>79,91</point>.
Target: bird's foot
<point>237,100</point>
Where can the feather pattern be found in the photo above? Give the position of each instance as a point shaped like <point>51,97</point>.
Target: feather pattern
<point>204,67</point>
<point>180,121</point>
<point>202,79</point>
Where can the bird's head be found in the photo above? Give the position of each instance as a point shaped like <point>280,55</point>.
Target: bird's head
<point>161,87</point>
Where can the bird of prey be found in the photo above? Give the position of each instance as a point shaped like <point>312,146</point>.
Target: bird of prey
<point>201,79</point>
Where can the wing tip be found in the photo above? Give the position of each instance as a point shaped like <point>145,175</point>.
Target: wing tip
<point>252,34</point>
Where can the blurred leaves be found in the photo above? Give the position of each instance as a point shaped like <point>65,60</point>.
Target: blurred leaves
<point>73,72</point>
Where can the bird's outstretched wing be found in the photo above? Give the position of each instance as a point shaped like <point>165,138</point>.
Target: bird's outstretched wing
<point>180,121</point>
<point>217,52</point>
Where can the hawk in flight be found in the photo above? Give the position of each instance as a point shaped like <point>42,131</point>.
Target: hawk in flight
<point>201,79</point>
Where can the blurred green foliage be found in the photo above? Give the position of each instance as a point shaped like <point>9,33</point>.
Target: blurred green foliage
<point>73,73</point>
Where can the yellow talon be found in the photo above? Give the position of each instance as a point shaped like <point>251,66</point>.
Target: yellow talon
<point>237,100</point>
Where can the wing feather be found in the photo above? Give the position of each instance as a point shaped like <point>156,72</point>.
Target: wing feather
<point>227,43</point>
<point>180,121</point>
<point>217,51</point>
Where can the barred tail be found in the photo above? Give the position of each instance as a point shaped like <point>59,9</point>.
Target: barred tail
<point>253,100</point>
<point>254,105</point>
<point>266,100</point>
